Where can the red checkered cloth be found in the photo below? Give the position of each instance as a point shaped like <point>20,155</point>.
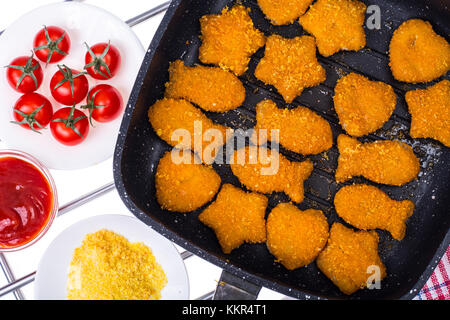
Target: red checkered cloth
<point>438,286</point>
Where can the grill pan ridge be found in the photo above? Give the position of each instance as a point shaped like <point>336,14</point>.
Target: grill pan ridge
<point>409,262</point>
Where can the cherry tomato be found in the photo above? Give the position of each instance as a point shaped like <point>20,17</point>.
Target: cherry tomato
<point>104,103</point>
<point>24,74</point>
<point>68,86</point>
<point>69,126</point>
<point>51,44</point>
<point>33,111</point>
<point>102,61</point>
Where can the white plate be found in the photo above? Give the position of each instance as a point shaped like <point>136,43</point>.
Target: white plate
<point>51,275</point>
<point>83,23</point>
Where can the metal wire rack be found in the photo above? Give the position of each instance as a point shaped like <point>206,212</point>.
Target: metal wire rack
<point>14,285</point>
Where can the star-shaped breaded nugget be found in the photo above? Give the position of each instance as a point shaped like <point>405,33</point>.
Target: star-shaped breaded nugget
<point>229,39</point>
<point>336,24</point>
<point>350,258</point>
<point>290,65</point>
<point>281,12</point>
<point>430,112</point>
<point>417,53</point>
<point>236,217</point>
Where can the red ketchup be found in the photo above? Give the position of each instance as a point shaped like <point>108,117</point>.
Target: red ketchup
<point>26,202</point>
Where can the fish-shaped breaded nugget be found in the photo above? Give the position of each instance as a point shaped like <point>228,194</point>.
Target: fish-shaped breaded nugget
<point>184,126</point>
<point>229,39</point>
<point>236,217</point>
<point>430,112</point>
<point>383,161</point>
<point>290,65</point>
<point>266,171</point>
<point>299,129</point>
<point>212,89</point>
<point>184,187</point>
<point>417,53</point>
<point>351,258</point>
<point>296,237</point>
<point>367,207</point>
<point>363,106</point>
<point>336,24</point>
<point>281,12</point>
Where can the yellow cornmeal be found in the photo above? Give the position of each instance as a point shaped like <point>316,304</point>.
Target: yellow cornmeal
<point>108,267</point>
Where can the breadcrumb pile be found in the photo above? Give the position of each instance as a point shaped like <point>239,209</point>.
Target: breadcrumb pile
<point>336,24</point>
<point>363,106</point>
<point>281,12</point>
<point>430,112</point>
<point>229,39</point>
<point>296,237</point>
<point>212,89</point>
<point>290,65</point>
<point>417,53</point>
<point>314,137</point>
<point>383,161</point>
<point>108,267</point>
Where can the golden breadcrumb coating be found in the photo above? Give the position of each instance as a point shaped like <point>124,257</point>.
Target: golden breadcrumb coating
<point>258,172</point>
<point>229,39</point>
<point>212,89</point>
<point>236,217</point>
<point>281,12</point>
<point>363,106</point>
<point>336,24</point>
<point>349,257</point>
<point>108,267</point>
<point>387,162</point>
<point>367,207</point>
<point>184,187</point>
<point>300,129</point>
<point>168,116</point>
<point>296,237</point>
<point>417,53</point>
<point>290,65</point>
<point>430,112</point>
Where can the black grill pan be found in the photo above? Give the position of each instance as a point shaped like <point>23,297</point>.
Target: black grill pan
<point>409,262</point>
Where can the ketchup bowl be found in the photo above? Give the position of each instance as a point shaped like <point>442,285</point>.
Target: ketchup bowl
<point>28,200</point>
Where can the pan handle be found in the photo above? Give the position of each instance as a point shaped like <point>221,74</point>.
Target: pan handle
<point>231,287</point>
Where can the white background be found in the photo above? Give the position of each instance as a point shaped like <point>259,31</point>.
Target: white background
<point>203,276</point>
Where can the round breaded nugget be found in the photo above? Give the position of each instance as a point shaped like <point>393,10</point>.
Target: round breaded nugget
<point>229,39</point>
<point>290,65</point>
<point>351,258</point>
<point>281,12</point>
<point>336,24</point>
<point>430,112</point>
<point>236,217</point>
<point>184,187</point>
<point>417,53</point>
<point>212,89</point>
<point>363,106</point>
<point>296,237</point>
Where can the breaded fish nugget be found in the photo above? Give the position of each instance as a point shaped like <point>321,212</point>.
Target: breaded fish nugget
<point>229,39</point>
<point>184,187</point>
<point>212,89</point>
<point>296,237</point>
<point>290,65</point>
<point>268,171</point>
<point>367,207</point>
<point>363,106</point>
<point>281,12</point>
<point>170,118</point>
<point>336,24</point>
<point>300,129</point>
<point>430,112</point>
<point>236,217</point>
<point>387,162</point>
<point>349,258</point>
<point>417,53</point>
